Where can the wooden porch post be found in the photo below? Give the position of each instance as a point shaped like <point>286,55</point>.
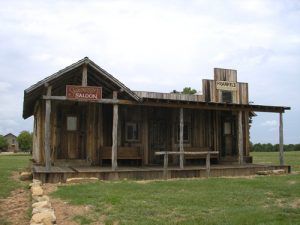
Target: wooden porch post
<point>47,131</point>
<point>181,138</point>
<point>114,157</point>
<point>281,139</point>
<point>240,139</point>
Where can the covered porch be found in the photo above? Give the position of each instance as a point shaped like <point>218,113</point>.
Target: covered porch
<point>62,173</point>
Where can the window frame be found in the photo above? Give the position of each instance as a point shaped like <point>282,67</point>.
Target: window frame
<point>134,125</point>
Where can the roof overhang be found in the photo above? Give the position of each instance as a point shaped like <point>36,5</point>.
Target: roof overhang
<point>35,92</point>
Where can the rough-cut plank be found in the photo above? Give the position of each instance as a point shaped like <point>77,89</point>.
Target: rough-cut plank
<point>47,139</point>
<point>114,157</point>
<point>145,141</point>
<point>84,75</point>
<point>170,96</point>
<point>240,138</point>
<point>281,140</point>
<point>181,124</point>
<point>208,164</point>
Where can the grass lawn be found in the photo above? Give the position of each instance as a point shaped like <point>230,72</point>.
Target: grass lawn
<point>8,164</point>
<point>290,158</point>
<point>266,200</point>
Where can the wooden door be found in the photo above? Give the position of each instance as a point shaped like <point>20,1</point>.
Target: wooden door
<point>73,137</point>
<point>229,136</point>
<point>158,140</point>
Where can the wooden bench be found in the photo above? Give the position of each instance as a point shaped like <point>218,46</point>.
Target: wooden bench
<point>200,156</point>
<point>122,153</point>
<point>206,154</point>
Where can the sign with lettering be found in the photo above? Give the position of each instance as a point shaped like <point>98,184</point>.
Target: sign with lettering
<point>87,93</point>
<point>226,85</point>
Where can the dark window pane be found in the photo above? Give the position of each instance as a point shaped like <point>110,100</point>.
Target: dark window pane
<point>227,96</point>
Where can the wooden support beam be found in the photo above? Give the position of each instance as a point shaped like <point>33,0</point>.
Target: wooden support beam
<point>64,98</point>
<point>47,137</point>
<point>145,137</point>
<point>166,159</point>
<point>240,137</point>
<point>281,159</point>
<point>114,149</point>
<point>84,75</point>
<point>181,138</point>
<point>208,164</point>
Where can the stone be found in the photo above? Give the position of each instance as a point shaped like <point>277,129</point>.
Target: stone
<point>37,191</point>
<point>47,221</point>
<point>39,217</point>
<point>40,210</point>
<point>40,198</point>
<point>26,176</point>
<point>42,204</point>
<point>278,172</point>
<point>264,172</point>
<point>81,180</point>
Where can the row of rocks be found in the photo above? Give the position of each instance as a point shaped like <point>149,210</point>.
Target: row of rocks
<point>42,211</point>
<point>271,172</point>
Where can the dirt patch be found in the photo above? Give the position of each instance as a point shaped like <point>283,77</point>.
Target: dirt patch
<point>15,208</point>
<point>295,204</point>
<point>65,212</point>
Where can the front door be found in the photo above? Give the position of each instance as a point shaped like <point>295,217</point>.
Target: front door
<point>73,136</point>
<point>158,140</point>
<point>228,136</point>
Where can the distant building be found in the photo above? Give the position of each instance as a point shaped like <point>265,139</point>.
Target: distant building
<point>13,145</point>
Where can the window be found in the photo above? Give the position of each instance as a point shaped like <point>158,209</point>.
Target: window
<point>227,128</point>
<point>71,123</point>
<point>186,132</point>
<point>132,132</point>
<point>227,96</point>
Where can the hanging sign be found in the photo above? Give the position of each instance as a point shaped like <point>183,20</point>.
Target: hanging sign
<point>226,85</point>
<point>87,93</point>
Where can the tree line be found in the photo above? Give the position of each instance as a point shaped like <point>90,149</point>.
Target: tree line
<point>258,147</point>
<point>24,140</point>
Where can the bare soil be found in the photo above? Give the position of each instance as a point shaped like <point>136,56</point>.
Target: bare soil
<point>64,211</point>
<point>15,208</point>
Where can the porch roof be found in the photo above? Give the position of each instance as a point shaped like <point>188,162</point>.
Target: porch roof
<point>72,74</point>
<point>207,105</point>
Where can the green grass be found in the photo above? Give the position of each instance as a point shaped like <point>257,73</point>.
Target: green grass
<point>270,200</point>
<point>262,200</point>
<point>9,164</point>
<point>291,158</point>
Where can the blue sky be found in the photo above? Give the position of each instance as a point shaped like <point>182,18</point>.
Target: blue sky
<point>156,46</point>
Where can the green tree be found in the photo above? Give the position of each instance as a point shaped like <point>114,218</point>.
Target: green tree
<point>25,140</point>
<point>3,143</point>
<point>188,91</point>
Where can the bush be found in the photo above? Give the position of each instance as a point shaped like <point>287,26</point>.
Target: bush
<point>273,148</point>
<point>25,141</point>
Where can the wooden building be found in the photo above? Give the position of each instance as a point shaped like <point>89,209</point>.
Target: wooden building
<point>13,145</point>
<point>88,122</point>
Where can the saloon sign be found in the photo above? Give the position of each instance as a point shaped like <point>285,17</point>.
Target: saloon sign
<point>88,93</point>
<point>226,85</point>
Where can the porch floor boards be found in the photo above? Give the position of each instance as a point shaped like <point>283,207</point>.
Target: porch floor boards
<point>62,173</point>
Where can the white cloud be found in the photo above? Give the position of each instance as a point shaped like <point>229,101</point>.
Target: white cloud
<point>154,45</point>
<point>269,123</point>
